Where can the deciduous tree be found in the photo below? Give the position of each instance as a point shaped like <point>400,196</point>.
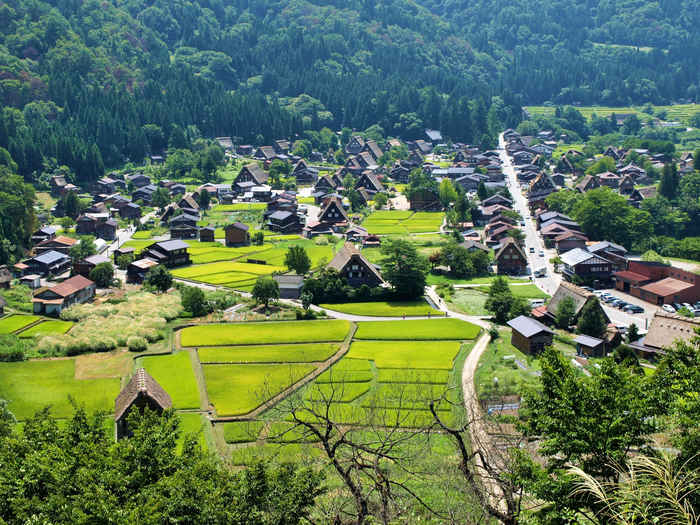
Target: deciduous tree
<point>102,274</point>
<point>159,278</point>
<point>265,290</point>
<point>298,260</point>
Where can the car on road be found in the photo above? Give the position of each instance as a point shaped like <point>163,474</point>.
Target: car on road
<point>303,208</point>
<point>532,249</point>
<point>668,308</point>
<point>522,223</point>
<point>527,217</point>
<point>541,253</point>
<point>634,309</point>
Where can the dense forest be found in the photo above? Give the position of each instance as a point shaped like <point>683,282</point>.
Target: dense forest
<point>80,81</point>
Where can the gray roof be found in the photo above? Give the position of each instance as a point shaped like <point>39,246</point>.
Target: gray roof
<point>605,244</point>
<point>577,256</point>
<point>237,225</point>
<point>96,259</point>
<point>587,340</point>
<point>169,246</point>
<point>527,326</point>
<point>49,257</point>
<point>289,279</point>
<point>280,215</point>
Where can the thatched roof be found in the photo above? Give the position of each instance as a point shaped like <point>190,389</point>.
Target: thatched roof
<point>141,385</point>
<point>665,328</point>
<point>5,274</point>
<point>579,295</point>
<point>346,254</point>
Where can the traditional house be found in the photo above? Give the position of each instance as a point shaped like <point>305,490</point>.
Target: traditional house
<point>356,234</point>
<point>281,147</point>
<point>355,146</point>
<point>88,264</point>
<point>588,183</point>
<point>580,297</point>
<point>144,194</point>
<point>168,253</point>
<point>530,336</point>
<point>374,150</point>
<point>43,234</point>
<point>609,179</point>
<point>569,241</point>
<point>130,251</point>
<point>421,147</point>
<point>290,285</point>
<point>355,268</point>
<point>107,230</point>
<point>626,185</point>
<point>265,153</point>
<point>244,150</point>
<point>140,393</point>
<point>511,259</point>
<point>75,290</point>
<point>325,184</point>
<point>314,228</point>
<point>130,211</point>
<point>137,270</point>
<point>665,328</point>
<point>372,241</point>
<point>497,199</point>
<point>139,180</point>
<point>5,277</point>
<point>250,173</point>
<point>206,234</point>
<point>333,214</point>
<point>59,244</point>
<point>304,174</point>
<point>85,225</point>
<point>370,183</point>
<point>237,234</point>
<point>639,195</point>
<point>284,222</point>
<point>103,186</point>
<point>586,265</point>
<point>614,253</point>
<point>590,346</point>
<point>392,143</point>
<point>57,185</point>
<point>475,246</point>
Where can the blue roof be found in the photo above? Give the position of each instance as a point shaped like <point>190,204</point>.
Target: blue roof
<point>50,257</point>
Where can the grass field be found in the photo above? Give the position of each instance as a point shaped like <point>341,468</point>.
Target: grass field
<point>175,375</point>
<point>145,234</point>
<point>385,309</point>
<point>268,354</point>
<point>242,431</point>
<point>434,279</point>
<point>235,390</point>
<point>11,324</point>
<point>191,422</point>
<point>417,330</point>
<point>265,333</point>
<point>31,385</point>
<point>407,354</point>
<point>241,206</point>
<point>137,245</point>
<point>469,301</point>
<point>47,327</point>
<point>414,375</point>
<point>680,113</point>
<point>403,222</point>
<point>526,291</point>
<point>104,365</point>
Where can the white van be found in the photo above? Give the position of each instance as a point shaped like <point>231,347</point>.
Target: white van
<point>536,303</point>
<point>541,272</point>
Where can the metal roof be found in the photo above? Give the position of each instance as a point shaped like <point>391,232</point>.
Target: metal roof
<point>577,256</point>
<point>587,340</point>
<point>50,256</point>
<point>527,326</point>
<point>174,244</point>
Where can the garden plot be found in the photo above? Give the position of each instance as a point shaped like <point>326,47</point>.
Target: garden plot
<point>236,390</point>
<point>437,355</point>
<point>174,373</point>
<point>9,325</point>
<point>385,309</point>
<point>46,327</point>
<point>268,354</point>
<point>265,333</point>
<point>417,330</point>
<point>32,385</point>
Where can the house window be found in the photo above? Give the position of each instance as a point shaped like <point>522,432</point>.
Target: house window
<point>506,256</point>
<point>354,267</point>
<point>685,277</point>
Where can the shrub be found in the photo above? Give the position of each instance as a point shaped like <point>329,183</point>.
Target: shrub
<point>136,344</point>
<point>321,241</point>
<point>12,348</point>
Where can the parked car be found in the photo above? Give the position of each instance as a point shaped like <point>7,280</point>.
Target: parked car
<point>610,298</point>
<point>689,306</point>
<point>634,309</point>
<point>622,305</point>
<point>622,329</point>
<point>677,306</point>
<point>668,308</point>
<point>696,306</point>
<point>616,302</point>
<point>588,289</point>
<point>522,223</point>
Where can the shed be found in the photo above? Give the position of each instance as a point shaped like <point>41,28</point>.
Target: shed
<point>5,277</point>
<point>237,234</point>
<point>590,346</point>
<point>33,281</point>
<point>290,285</point>
<point>206,234</point>
<point>530,336</point>
<point>141,392</point>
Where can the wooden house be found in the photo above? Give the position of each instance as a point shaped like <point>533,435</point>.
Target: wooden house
<point>250,173</point>
<point>588,183</point>
<point>665,328</point>
<point>130,210</point>
<point>265,153</point>
<point>370,183</point>
<point>569,241</point>
<point>580,297</point>
<point>373,149</point>
<point>137,270</point>
<point>59,244</point>
<point>511,259</point>
<point>140,393</point>
<point>590,346</point>
<point>284,222</point>
<point>88,264</point>
<point>206,234</point>
<point>355,146</point>
<point>139,180</point>
<point>107,230</point>
<point>333,213</point>
<point>609,179</point>
<point>355,268</point>
<point>168,253</point>
<point>43,234</point>
<point>626,185</point>
<point>290,285</point>
<point>75,290</point>
<point>237,234</point>
<point>281,147</point>
<point>529,335</point>
<point>586,265</point>
<point>5,277</point>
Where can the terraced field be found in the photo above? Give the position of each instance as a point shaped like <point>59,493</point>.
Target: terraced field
<point>403,222</point>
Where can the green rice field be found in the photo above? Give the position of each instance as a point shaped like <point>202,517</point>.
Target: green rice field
<point>265,333</point>
<point>46,327</point>
<point>348,370</point>
<point>145,234</point>
<point>414,375</point>
<point>31,385</point>
<point>242,431</point>
<point>403,222</point>
<point>241,206</point>
<point>417,330</point>
<point>191,422</point>
<point>236,390</point>
<point>268,354</point>
<point>339,391</point>
<point>407,354</point>
<point>526,291</point>
<point>174,373</point>
<point>676,113</point>
<point>11,324</point>
<point>385,309</point>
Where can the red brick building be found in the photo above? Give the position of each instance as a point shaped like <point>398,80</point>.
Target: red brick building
<point>658,283</point>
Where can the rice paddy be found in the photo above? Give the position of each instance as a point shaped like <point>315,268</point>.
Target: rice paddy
<point>268,354</point>
<point>174,373</point>
<point>403,222</point>
<point>9,325</point>
<point>417,330</point>
<point>407,354</point>
<point>385,309</point>
<point>46,327</point>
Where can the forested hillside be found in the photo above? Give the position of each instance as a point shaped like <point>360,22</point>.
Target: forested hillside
<point>89,84</point>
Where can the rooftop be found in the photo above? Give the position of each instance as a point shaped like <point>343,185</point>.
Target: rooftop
<point>527,326</point>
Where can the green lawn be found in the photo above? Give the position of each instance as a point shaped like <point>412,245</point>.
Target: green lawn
<point>417,330</point>
<point>11,324</point>
<point>235,390</point>
<point>265,333</point>
<point>242,431</point>
<point>47,327</point>
<point>175,375</point>
<point>526,291</point>
<point>385,309</point>
<point>470,301</point>
<point>407,354</point>
<point>268,354</point>
<point>31,385</point>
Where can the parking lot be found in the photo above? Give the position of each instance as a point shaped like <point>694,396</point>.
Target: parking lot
<point>616,314</point>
